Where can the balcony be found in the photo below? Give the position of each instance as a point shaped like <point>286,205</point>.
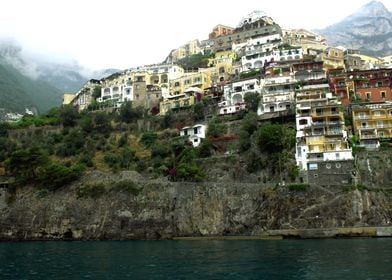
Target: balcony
<point>368,136</point>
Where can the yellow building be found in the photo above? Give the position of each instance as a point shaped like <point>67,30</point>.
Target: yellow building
<point>372,122</point>
<point>333,58</point>
<point>68,98</point>
<point>178,101</point>
<point>200,79</point>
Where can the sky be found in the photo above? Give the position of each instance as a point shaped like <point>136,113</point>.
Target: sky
<point>126,33</point>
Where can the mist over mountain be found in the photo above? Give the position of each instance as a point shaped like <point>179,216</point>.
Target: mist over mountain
<point>369,29</point>
<point>31,81</point>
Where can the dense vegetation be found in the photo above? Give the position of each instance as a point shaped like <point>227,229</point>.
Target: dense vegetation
<point>19,92</point>
<point>55,149</point>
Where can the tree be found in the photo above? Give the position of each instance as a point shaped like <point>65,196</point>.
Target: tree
<point>102,122</point>
<point>4,129</point>
<point>96,92</point>
<point>252,100</point>
<point>274,138</point>
<point>216,128</point>
<point>69,116</point>
<point>24,164</point>
<point>148,138</point>
<point>250,123</point>
<point>129,114</point>
<point>198,111</point>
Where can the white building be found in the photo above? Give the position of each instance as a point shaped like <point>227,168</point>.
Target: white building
<point>277,94</point>
<point>194,133</point>
<point>234,92</point>
<point>259,57</point>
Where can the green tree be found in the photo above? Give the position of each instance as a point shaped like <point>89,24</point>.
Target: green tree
<point>252,100</point>
<point>216,128</point>
<point>250,123</point>
<point>274,138</point>
<point>101,122</point>
<point>148,138</point>
<point>24,164</point>
<point>198,111</point>
<point>129,114</point>
<point>69,116</point>
<point>4,129</point>
<point>96,92</point>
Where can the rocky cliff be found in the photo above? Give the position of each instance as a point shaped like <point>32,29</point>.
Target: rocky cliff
<point>155,209</point>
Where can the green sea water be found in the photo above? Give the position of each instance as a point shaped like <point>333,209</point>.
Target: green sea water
<point>253,259</point>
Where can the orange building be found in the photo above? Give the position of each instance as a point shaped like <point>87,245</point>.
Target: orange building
<point>370,85</point>
<point>337,83</point>
<point>220,30</point>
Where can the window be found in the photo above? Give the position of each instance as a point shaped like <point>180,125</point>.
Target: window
<point>379,84</point>
<point>185,132</point>
<point>368,95</point>
<point>361,115</point>
<point>377,113</point>
<point>383,94</point>
<point>303,122</point>
<point>177,84</point>
<point>195,130</point>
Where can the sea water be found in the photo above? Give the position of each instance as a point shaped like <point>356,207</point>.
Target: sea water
<point>253,259</point>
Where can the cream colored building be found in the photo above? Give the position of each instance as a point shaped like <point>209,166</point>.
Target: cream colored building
<point>305,39</point>
<point>84,97</point>
<point>190,48</point>
<point>68,98</point>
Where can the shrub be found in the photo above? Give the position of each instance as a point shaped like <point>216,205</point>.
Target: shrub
<point>127,186</point>
<point>298,187</point>
<point>93,190</point>
<point>148,138</point>
<point>216,128</point>
<point>57,175</point>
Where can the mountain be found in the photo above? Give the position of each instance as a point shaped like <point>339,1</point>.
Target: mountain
<point>369,29</point>
<point>30,81</point>
<point>18,92</point>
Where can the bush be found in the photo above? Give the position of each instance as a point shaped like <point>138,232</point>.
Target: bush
<point>127,186</point>
<point>252,100</point>
<point>298,187</point>
<point>94,190</point>
<point>57,175</point>
<point>148,138</point>
<point>188,172</point>
<point>216,128</point>
<point>274,138</point>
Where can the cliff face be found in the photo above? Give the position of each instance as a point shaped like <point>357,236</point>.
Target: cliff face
<point>368,29</point>
<point>164,210</point>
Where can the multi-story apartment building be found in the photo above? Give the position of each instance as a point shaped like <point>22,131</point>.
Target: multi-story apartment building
<point>370,85</point>
<point>337,82</point>
<point>255,24</point>
<point>220,30</point>
<point>177,102</point>
<point>261,59</point>
<point>278,90</point>
<point>305,39</point>
<point>321,135</point>
<point>200,79</point>
<point>372,122</point>
<point>84,96</point>
<point>235,91</point>
<point>332,58</point>
<point>190,48</point>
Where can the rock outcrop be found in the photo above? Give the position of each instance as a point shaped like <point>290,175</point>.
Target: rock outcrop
<point>160,209</point>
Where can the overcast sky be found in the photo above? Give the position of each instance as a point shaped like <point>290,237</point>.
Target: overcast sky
<point>127,33</point>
